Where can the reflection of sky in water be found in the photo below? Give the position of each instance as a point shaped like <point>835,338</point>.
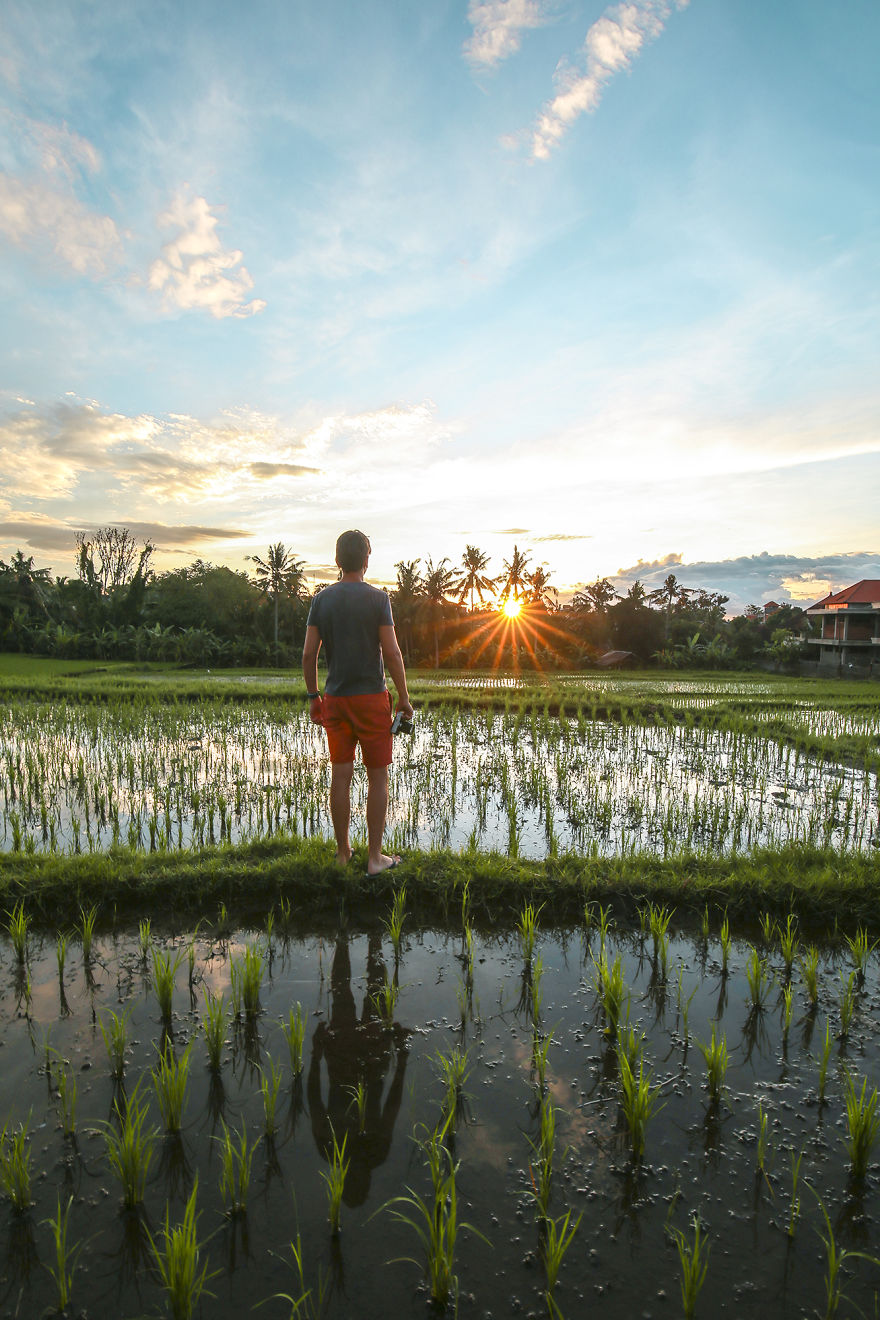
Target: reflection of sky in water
<point>694,1162</point>
<point>514,783</point>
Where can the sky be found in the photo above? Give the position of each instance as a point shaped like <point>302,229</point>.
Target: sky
<point>597,281</point>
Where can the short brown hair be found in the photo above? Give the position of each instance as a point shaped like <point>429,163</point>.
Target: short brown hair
<point>352,551</point>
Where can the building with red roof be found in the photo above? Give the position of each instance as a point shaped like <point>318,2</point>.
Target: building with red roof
<point>849,638</point>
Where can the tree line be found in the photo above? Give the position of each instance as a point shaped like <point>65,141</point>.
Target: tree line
<point>116,606</point>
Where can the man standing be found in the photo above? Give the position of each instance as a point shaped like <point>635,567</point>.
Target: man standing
<point>352,620</point>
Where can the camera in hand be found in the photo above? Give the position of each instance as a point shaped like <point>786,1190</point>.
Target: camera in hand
<point>402,723</point>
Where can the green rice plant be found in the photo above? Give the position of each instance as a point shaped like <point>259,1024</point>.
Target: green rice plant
<point>454,1072</point>
<point>638,1099</point>
<point>437,1227</point>
<point>86,929</point>
<point>66,1083</point>
<point>704,925</point>
<point>335,1181</point>
<point>612,990</point>
<point>178,1256</point>
<point>527,926</point>
<point>385,1000</point>
<point>786,1008</point>
<point>396,918</point>
<point>270,1084</point>
<point>724,940</point>
<point>144,938</point>
<point>359,1102</point>
<point>62,941</point>
<point>15,1167</point>
<point>788,941</point>
<point>861,949</point>
<point>284,909</point>
<point>758,982</point>
<point>214,1028</point>
<point>540,1051</point>
<point>768,928</point>
<point>246,978</point>
<point>63,1266</point>
<point>847,1003</point>
<point>763,1147</point>
<point>715,1055</point>
<point>130,1148</point>
<point>295,1033</point>
<point>536,996</point>
<point>309,1305</point>
<point>164,972</point>
<point>835,1260</point>
<point>823,1062</point>
<point>170,1078</point>
<point>809,965</point>
<point>604,925</point>
<point>659,917</point>
<point>544,1152</point>
<point>115,1034</point>
<point>629,1045</point>
<point>694,1260</point>
<point>236,1158</point>
<point>558,1235</point>
<point>794,1209</point>
<point>17,927</point>
<point>862,1126</point>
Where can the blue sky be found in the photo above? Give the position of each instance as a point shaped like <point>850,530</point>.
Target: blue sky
<point>597,280</point>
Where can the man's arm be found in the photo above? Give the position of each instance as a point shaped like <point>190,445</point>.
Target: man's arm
<point>394,664</point>
<point>311,647</point>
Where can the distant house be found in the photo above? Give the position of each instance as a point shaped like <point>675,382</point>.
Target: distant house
<point>771,607</point>
<point>849,639</point>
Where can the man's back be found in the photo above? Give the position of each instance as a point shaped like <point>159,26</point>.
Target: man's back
<point>348,616</point>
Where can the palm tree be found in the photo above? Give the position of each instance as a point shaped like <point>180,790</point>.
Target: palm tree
<point>438,583</point>
<point>474,561</point>
<point>516,582</point>
<point>279,575</point>
<point>597,596</point>
<point>540,591</point>
<point>669,596</point>
<point>405,600</point>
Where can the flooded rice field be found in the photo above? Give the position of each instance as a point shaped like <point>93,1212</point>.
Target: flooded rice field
<point>496,1075</point>
<point>84,778</point>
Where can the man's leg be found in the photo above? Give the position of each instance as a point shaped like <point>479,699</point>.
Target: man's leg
<point>340,808</point>
<point>377,808</point>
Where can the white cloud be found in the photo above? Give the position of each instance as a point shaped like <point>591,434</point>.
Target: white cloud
<point>611,45</point>
<point>498,26</point>
<point>195,271</point>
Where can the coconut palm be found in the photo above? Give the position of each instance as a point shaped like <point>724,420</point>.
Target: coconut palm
<point>474,561</point>
<point>279,575</point>
<point>597,596</point>
<point>516,581</point>
<point>405,599</point>
<point>540,592</point>
<point>439,582</point>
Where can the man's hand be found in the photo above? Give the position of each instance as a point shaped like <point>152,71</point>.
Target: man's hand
<point>405,707</point>
<point>316,711</point>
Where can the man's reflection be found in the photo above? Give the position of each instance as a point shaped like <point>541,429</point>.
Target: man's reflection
<point>356,1050</point>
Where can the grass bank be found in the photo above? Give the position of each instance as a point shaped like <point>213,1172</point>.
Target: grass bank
<point>824,888</point>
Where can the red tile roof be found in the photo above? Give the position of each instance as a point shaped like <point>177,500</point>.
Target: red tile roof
<point>866,592</point>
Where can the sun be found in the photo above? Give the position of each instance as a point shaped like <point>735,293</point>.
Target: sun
<point>511,608</point>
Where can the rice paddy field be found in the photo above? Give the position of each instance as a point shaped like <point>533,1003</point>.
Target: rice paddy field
<point>513,1079</point>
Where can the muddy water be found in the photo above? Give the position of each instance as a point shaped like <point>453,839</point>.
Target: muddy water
<point>698,1161</point>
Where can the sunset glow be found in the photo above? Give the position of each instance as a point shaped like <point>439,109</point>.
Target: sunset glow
<point>511,608</point>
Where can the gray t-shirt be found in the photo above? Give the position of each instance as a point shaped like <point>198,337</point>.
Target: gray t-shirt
<point>348,615</point>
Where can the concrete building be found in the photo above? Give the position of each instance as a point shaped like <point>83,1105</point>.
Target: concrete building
<point>849,640</point>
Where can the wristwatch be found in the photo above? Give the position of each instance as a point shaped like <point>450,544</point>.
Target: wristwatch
<point>312,696</point>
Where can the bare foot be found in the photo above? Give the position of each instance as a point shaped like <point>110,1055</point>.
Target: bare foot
<point>384,863</point>
<point>342,857</point>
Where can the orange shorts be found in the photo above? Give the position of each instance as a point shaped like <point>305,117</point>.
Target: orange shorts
<point>365,719</point>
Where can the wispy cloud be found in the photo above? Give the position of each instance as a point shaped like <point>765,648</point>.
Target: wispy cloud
<point>498,26</point>
<point>611,45</point>
<point>41,532</point>
<point>39,203</point>
<point>195,271</point>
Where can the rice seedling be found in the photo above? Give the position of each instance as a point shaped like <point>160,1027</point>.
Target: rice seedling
<point>861,949</point>
<point>715,1055</point>
<point>768,928</point>
<point>544,1151</point>
<point>164,972</point>
<point>724,941</point>
<point>335,1181</point>
<point>86,930</point>
<point>309,1305</point>
<point>847,1004</point>
<point>130,1148</point>
<point>170,1078</point>
<point>612,991</point>
<point>144,938</point>
<point>540,1051</point>
<point>527,926</point>
<point>115,1034</point>
<point>786,1009</point>
<point>394,923</point>
<point>757,979</point>
<point>835,1259</point>
<point>788,942</point>
<point>794,1207</point>
<point>66,1084</point>
<point>246,978</point>
<point>178,1256</point>
<point>454,1072</point>
<point>294,1033</point>
<point>763,1146</point>
<point>270,1083</point>
<point>17,927</point>
<point>659,917</point>
<point>604,926</point>
<point>629,1044</point>
<point>694,1260</point>
<point>704,924</point>
<point>862,1126</point>
<point>437,1227</point>
<point>15,1167</point>
<point>385,1000</point>
<point>61,944</point>
<point>236,1158</point>
<point>809,965</point>
<point>558,1236</point>
<point>63,1266</point>
<point>214,1028</point>
<point>358,1095</point>
<point>823,1062</point>
<point>638,1100</point>
<point>536,996</point>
